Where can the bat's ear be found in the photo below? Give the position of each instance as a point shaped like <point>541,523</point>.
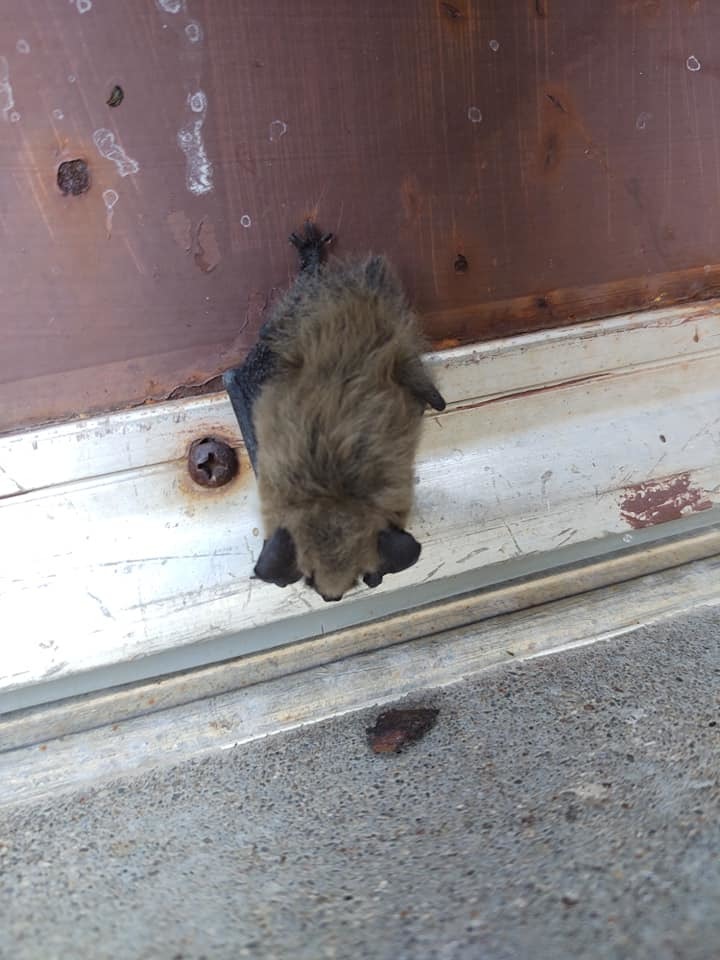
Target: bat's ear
<point>277,562</point>
<point>398,550</point>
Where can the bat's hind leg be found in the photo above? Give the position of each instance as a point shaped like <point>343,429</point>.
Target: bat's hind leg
<point>310,245</point>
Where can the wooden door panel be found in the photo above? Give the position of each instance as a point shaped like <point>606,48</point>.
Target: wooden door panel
<point>526,163</point>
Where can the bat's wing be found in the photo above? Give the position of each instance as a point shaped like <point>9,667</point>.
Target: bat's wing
<point>245,382</point>
<point>415,378</point>
<point>243,385</point>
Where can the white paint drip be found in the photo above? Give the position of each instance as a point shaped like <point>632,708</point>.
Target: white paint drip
<point>108,148</point>
<point>170,6</point>
<point>58,114</point>
<point>474,114</point>
<point>199,170</point>
<point>643,120</point>
<point>22,46</point>
<point>7,101</point>
<point>245,221</point>
<point>110,198</point>
<point>278,128</point>
<point>494,46</point>
<point>82,6</point>
<point>14,117</point>
<point>198,102</point>
<point>693,64</point>
<point>72,78</point>
<point>193,31</point>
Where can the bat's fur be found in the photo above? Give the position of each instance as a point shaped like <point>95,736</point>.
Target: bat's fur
<point>338,423</point>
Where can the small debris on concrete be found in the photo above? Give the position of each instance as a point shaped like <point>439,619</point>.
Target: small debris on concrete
<point>396,729</point>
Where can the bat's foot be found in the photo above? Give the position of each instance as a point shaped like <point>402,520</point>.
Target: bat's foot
<point>310,245</point>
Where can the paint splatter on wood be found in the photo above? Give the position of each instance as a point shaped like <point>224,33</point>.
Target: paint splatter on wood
<point>199,169</point>
<point>659,501</point>
<point>396,729</point>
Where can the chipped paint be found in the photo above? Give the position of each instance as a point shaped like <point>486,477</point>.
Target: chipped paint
<point>659,501</point>
<point>181,229</point>
<point>207,252</point>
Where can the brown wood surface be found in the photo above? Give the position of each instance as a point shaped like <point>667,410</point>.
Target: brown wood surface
<point>569,150</point>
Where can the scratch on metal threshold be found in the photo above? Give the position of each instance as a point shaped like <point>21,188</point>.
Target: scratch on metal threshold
<point>531,391</point>
<point>303,599</point>
<point>473,553</point>
<point>55,668</point>
<point>703,430</point>
<point>4,472</point>
<point>248,596</point>
<point>251,552</point>
<point>512,535</point>
<point>433,572</point>
<point>103,609</point>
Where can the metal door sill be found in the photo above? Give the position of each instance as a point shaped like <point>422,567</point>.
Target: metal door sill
<point>282,691</point>
<point>556,447</point>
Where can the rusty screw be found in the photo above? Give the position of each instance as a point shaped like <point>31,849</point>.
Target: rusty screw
<point>117,95</point>
<point>212,462</point>
<point>73,177</point>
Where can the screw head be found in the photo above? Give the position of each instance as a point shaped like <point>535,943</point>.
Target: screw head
<point>212,462</point>
<point>117,95</point>
<point>73,177</point>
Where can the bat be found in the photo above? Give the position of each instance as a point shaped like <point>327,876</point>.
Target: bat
<point>330,402</point>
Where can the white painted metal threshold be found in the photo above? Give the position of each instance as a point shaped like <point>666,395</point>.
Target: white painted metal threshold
<point>93,740</point>
<point>555,447</point>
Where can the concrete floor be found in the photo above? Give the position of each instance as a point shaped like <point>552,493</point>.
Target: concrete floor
<point>566,807</point>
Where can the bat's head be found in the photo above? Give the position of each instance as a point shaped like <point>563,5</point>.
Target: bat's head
<point>333,547</point>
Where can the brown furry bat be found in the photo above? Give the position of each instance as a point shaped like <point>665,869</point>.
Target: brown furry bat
<point>337,425</point>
